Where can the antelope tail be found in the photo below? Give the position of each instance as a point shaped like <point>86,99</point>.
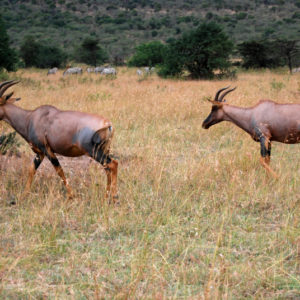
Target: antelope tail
<point>102,139</point>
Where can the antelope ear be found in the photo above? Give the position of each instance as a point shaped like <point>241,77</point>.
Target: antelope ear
<point>12,100</point>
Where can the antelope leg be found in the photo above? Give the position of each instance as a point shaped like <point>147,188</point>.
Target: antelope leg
<point>55,163</point>
<point>265,151</point>
<point>111,170</point>
<point>33,167</point>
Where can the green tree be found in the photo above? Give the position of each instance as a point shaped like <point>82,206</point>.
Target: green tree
<point>260,54</point>
<point>147,54</point>
<point>41,55</point>
<point>289,49</point>
<point>90,52</point>
<point>201,52</point>
<point>8,57</point>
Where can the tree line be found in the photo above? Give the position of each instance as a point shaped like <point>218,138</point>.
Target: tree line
<point>204,52</point>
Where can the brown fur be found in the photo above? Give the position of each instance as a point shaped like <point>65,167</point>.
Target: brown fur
<point>50,131</point>
<point>267,121</point>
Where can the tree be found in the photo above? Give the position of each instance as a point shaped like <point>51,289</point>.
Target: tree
<point>90,52</point>
<point>201,52</point>
<point>29,51</point>
<point>8,57</point>
<point>260,54</point>
<point>40,54</point>
<point>289,49</point>
<point>147,54</point>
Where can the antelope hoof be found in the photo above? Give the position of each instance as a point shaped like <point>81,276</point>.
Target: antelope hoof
<point>114,200</point>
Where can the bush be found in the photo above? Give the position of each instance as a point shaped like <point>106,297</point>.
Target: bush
<point>200,51</point>
<point>8,57</point>
<point>260,54</point>
<point>148,54</point>
<point>38,54</point>
<point>90,52</point>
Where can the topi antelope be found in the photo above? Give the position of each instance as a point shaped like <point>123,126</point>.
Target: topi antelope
<point>267,121</point>
<point>49,130</point>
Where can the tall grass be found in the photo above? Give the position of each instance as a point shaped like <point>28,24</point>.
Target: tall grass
<point>198,217</point>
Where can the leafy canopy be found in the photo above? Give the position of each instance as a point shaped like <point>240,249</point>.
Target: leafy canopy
<point>8,57</point>
<point>201,52</point>
<point>147,54</point>
<point>38,54</point>
<point>90,52</point>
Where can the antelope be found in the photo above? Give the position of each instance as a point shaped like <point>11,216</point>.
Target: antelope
<point>50,131</point>
<point>265,122</point>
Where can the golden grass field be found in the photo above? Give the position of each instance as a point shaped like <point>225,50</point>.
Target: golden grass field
<point>198,216</point>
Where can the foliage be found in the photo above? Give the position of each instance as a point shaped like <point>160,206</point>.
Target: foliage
<point>9,143</point>
<point>134,22</point>
<point>8,57</point>
<point>290,50</point>
<point>38,54</point>
<point>201,52</point>
<point>267,54</point>
<point>90,52</point>
<point>148,54</point>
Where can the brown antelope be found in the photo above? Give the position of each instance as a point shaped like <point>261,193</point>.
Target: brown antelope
<point>267,121</point>
<point>49,130</point>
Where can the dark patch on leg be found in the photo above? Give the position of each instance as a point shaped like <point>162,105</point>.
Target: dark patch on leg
<point>263,149</point>
<point>54,161</point>
<point>37,161</point>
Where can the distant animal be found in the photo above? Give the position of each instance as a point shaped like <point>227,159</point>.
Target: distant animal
<point>75,70</point>
<point>139,72</point>
<point>90,70</point>
<point>52,71</point>
<point>109,71</point>
<point>99,70</point>
<point>50,131</point>
<point>265,122</point>
<point>296,70</point>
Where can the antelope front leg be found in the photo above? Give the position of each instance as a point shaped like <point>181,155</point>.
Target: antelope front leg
<point>55,163</point>
<point>265,151</point>
<point>34,166</point>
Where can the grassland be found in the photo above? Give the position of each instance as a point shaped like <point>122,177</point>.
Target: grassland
<point>198,217</point>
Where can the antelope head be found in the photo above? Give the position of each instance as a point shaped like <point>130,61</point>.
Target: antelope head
<point>217,113</point>
<point>4,99</point>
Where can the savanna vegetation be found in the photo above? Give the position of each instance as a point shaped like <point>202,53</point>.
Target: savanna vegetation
<point>198,216</point>
<point>122,25</point>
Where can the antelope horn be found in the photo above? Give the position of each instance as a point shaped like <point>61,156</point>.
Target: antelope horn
<point>224,94</point>
<point>219,91</point>
<point>9,95</point>
<point>5,85</point>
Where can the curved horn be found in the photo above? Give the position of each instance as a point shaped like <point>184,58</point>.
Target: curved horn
<point>219,91</point>
<point>5,85</point>
<point>224,94</point>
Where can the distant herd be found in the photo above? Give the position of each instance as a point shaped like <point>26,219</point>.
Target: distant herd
<point>110,71</point>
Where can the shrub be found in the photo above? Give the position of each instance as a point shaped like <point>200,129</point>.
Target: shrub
<point>200,51</point>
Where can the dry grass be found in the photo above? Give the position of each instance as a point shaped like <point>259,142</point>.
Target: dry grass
<point>198,218</point>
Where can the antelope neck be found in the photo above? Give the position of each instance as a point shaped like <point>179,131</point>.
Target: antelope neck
<point>240,116</point>
<point>17,118</point>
